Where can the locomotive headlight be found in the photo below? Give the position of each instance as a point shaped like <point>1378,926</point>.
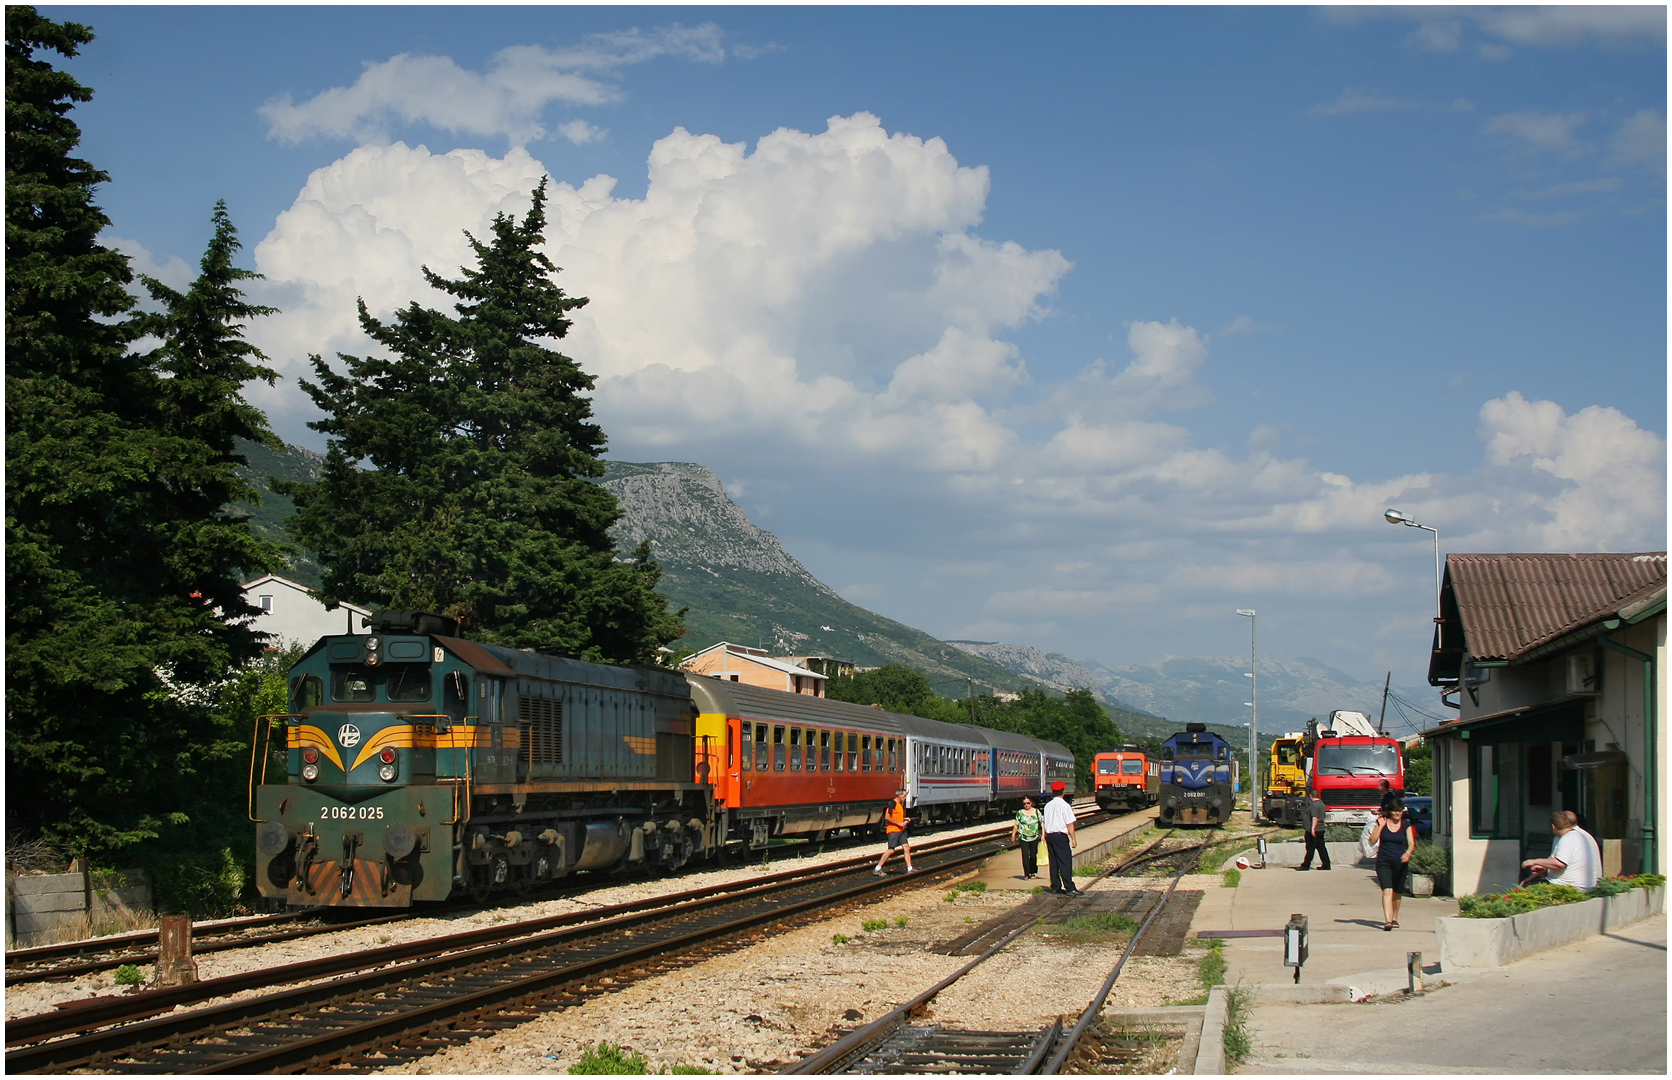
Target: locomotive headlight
<point>386,772</point>
<point>310,772</point>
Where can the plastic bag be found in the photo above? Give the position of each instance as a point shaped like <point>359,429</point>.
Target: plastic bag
<point>1364,847</point>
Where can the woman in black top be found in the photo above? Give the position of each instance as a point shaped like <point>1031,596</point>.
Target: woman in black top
<point>1394,838</point>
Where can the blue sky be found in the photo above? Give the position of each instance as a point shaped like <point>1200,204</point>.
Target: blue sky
<point>1075,327</point>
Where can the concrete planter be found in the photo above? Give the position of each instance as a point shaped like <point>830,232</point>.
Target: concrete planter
<point>1476,943</point>
<point>1422,885</point>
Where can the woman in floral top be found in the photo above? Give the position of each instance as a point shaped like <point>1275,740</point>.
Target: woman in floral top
<point>1025,831</point>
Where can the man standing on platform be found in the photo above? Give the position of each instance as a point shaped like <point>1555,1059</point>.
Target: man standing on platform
<point>1060,841</point>
<point>1313,820</point>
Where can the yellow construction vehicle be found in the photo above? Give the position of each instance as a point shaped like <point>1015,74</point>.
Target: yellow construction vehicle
<point>1286,780</point>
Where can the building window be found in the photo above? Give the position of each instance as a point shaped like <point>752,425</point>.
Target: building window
<point>266,603</point>
<point>1495,791</point>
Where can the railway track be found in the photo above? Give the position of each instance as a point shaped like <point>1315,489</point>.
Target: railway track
<point>87,957</point>
<point>892,1044</point>
<point>405,1001</point>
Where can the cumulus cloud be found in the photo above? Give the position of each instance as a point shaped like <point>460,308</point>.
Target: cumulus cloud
<point>1612,494</point>
<point>506,99</point>
<point>820,309</point>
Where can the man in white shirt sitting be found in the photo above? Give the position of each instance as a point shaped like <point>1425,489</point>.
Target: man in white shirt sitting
<point>1575,859</point>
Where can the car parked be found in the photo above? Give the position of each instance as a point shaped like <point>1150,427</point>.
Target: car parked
<point>1421,810</point>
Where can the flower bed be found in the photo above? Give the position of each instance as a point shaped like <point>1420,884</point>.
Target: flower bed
<point>1552,918</point>
<point>1519,901</point>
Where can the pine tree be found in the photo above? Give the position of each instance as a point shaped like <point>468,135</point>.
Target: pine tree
<point>120,562</point>
<point>459,476</point>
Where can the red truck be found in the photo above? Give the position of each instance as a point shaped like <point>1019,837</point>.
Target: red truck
<point>1348,759</point>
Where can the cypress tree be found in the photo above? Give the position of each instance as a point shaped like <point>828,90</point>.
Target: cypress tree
<point>120,562</point>
<point>459,475</point>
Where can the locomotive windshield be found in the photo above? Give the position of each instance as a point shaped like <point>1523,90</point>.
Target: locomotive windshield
<point>1108,766</point>
<point>1132,765</point>
<point>402,682</point>
<point>1196,750</point>
<point>1375,760</point>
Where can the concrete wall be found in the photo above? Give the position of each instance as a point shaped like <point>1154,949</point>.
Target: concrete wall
<point>1476,943</point>
<point>44,908</point>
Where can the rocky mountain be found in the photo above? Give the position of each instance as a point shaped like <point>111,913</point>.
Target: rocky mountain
<point>740,585</point>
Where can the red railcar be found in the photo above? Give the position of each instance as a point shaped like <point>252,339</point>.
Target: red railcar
<point>1118,779</point>
<point>792,764</point>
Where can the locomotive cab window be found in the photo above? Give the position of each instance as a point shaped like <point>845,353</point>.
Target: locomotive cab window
<point>353,683</point>
<point>407,682</point>
<point>306,691</point>
<point>1132,766</point>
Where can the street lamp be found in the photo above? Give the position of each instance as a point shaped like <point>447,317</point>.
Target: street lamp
<point>1397,517</point>
<point>1254,724</point>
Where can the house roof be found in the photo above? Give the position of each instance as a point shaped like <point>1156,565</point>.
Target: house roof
<point>1510,605</point>
<point>753,656</point>
<point>299,587</point>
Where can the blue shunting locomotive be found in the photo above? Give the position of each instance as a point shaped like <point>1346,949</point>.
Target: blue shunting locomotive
<point>1196,779</point>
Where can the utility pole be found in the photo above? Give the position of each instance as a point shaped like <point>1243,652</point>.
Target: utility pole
<point>1254,723</point>
<point>1381,726</point>
<point>972,698</point>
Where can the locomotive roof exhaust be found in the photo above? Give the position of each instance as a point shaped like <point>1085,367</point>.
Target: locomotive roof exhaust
<point>411,621</point>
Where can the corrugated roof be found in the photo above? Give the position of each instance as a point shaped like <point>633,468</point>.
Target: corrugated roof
<point>1512,604</point>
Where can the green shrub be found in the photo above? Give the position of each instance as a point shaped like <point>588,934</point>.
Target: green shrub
<point>900,922</point>
<point>976,887</point>
<point>1517,901</point>
<point>1614,886</point>
<point>1088,870</point>
<point>607,1060</point>
<point>839,939</point>
<point>870,925</point>
<point>1342,834</point>
<point>129,975</point>
<point>1430,859</point>
<point>1233,878</point>
<point>688,1070</point>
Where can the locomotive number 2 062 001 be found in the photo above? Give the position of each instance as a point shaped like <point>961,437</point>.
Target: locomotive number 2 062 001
<point>372,813</point>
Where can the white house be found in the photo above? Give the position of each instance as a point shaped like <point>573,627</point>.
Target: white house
<point>1558,664</point>
<point>289,613</point>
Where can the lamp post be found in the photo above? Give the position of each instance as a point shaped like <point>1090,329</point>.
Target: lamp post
<point>1397,517</point>
<point>1254,723</point>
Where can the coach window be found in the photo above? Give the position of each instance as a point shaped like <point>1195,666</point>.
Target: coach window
<point>824,751</point>
<point>836,741</point>
<point>763,751</point>
<point>853,752</point>
<point>778,750</point>
<point>893,762</point>
<point>795,749</point>
<point>865,753</point>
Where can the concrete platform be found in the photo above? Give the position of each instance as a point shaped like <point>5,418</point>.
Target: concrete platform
<point>1004,870</point>
<point>1343,907</point>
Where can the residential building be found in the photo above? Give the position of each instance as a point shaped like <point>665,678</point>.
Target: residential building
<point>290,613</point>
<point>739,663</point>
<point>1557,665</point>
